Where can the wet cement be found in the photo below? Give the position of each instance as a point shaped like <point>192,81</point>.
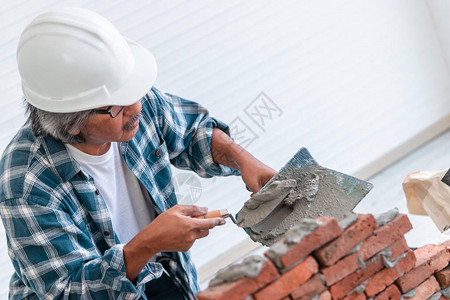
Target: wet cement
<point>297,193</point>
<point>409,294</point>
<point>387,263</point>
<point>292,236</point>
<point>276,192</point>
<point>384,218</point>
<point>435,296</point>
<point>249,267</point>
<point>359,289</point>
<point>348,221</point>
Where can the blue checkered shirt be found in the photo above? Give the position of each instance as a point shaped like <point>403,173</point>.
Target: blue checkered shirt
<point>60,236</point>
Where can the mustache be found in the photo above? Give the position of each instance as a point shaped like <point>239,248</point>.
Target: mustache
<point>133,119</point>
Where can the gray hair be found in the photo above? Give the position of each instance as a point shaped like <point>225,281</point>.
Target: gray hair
<point>56,125</point>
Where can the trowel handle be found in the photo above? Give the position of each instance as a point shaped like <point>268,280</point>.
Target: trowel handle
<point>220,213</point>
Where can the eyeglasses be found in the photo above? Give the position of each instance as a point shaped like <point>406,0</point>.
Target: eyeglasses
<point>112,110</point>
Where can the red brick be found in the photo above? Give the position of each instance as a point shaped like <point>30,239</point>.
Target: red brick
<point>384,236</point>
<point>398,247</point>
<point>443,277</point>
<point>341,269</point>
<point>289,281</point>
<point>352,236</point>
<point>390,293</point>
<point>373,265</point>
<point>340,289</point>
<point>425,289</point>
<point>241,288</point>
<point>386,277</point>
<point>355,296</point>
<point>429,259</point>
<point>425,253</point>
<point>309,289</point>
<point>326,232</point>
<point>325,296</point>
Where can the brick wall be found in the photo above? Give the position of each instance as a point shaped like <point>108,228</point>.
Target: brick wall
<point>360,261</point>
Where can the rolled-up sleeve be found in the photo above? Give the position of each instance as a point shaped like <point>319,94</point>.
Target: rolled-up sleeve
<point>58,259</point>
<point>187,129</point>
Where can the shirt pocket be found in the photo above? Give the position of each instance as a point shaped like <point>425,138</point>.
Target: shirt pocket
<point>160,171</point>
<point>157,154</point>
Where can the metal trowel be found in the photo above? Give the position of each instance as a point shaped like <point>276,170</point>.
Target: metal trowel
<point>301,189</point>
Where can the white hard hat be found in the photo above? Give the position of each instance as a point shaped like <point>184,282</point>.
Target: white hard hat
<point>73,59</point>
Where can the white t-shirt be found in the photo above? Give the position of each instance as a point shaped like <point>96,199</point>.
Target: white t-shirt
<point>128,202</point>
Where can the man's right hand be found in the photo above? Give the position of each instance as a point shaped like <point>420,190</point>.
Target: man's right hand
<point>173,230</point>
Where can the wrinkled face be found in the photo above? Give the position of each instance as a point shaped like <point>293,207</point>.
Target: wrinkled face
<point>101,129</point>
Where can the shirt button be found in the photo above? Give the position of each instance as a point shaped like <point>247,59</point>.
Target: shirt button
<point>106,233</point>
<point>158,152</point>
<point>97,192</point>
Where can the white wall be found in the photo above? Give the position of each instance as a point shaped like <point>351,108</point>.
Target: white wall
<point>439,11</point>
<point>351,80</point>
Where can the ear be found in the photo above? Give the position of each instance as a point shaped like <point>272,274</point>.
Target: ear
<point>73,131</point>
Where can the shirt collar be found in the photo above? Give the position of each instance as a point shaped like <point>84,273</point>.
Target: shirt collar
<point>60,159</point>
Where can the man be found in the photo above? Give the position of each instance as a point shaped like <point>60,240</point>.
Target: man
<point>85,190</point>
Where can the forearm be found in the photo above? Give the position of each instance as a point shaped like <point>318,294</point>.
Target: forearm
<point>226,152</point>
<point>136,255</point>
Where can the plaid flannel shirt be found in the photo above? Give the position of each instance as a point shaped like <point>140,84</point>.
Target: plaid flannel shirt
<point>59,231</point>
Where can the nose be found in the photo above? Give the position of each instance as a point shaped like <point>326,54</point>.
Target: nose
<point>133,109</point>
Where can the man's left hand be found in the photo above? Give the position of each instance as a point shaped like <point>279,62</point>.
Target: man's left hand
<point>255,174</point>
<point>226,152</point>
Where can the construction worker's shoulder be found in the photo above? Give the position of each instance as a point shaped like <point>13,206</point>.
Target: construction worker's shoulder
<point>26,162</point>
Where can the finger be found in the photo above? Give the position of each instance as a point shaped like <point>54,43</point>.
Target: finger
<point>208,223</point>
<point>203,233</point>
<point>186,247</point>
<point>267,179</point>
<point>192,210</point>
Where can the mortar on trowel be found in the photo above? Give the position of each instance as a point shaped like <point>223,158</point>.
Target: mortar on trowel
<point>301,189</point>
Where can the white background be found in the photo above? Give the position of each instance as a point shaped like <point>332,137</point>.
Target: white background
<point>359,83</point>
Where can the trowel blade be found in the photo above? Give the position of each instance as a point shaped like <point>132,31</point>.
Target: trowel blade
<point>351,189</point>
